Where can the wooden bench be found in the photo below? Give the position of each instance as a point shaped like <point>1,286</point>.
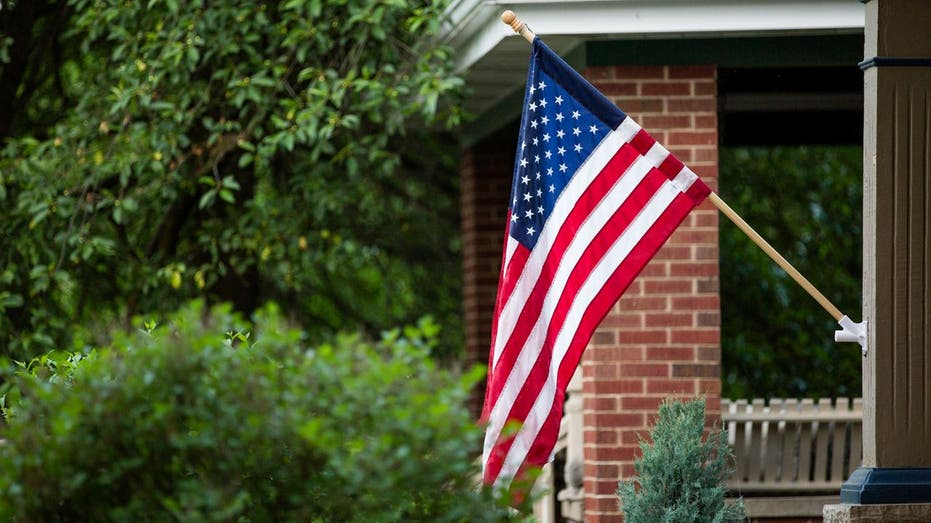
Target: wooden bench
<point>795,446</point>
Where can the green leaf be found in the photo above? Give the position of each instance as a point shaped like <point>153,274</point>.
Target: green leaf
<point>206,199</point>
<point>9,300</point>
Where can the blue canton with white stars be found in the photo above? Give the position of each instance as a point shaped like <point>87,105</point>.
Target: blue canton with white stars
<point>557,135</point>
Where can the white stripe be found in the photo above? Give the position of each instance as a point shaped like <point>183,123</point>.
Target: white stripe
<point>657,154</point>
<point>529,351</point>
<point>628,129</point>
<point>685,179</point>
<point>509,251</point>
<point>564,205</point>
<point>603,270</point>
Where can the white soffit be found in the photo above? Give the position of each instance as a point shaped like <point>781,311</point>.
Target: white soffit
<point>475,29</point>
<point>494,59</point>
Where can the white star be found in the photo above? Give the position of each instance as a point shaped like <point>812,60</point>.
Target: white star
<point>536,158</point>
<point>540,209</point>
<point>515,201</point>
<point>552,189</point>
<point>539,193</point>
<point>536,140</point>
<point>528,214</point>
<point>523,162</point>
<point>542,85</point>
<point>549,172</point>
<point>546,137</point>
<point>559,100</point>
<point>576,131</point>
<point>523,145</point>
<point>513,218</point>
<point>561,150</point>
<point>593,129</point>
<point>575,115</point>
<point>538,175</point>
<point>548,154</point>
<point>525,179</point>
<point>559,117</point>
<point>563,167</point>
<point>527,196</point>
<point>532,89</point>
<point>578,148</point>
<point>530,231</point>
<point>560,133</point>
<point>543,103</point>
<point>545,120</point>
<point>533,123</point>
<point>533,106</point>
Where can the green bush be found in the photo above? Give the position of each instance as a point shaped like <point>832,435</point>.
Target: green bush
<point>183,422</point>
<point>680,477</point>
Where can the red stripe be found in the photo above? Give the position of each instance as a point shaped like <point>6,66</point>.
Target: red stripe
<point>506,279</point>
<point>671,167</point>
<point>511,276</point>
<point>596,250</point>
<point>642,142</point>
<point>698,191</point>
<point>530,310</point>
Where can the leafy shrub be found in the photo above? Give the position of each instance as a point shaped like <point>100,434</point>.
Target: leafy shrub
<point>680,477</point>
<point>242,150</point>
<point>186,423</point>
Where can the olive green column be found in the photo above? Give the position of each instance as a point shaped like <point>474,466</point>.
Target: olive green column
<point>897,234</point>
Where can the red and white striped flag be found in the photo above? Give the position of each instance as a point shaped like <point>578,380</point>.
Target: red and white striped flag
<point>593,198</point>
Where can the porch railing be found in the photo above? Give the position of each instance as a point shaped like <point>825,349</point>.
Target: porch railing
<point>787,445</point>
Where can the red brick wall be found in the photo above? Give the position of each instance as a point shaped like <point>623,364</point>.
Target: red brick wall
<point>663,336</point>
<point>486,181</point>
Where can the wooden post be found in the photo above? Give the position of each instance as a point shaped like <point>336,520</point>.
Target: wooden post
<point>894,482</point>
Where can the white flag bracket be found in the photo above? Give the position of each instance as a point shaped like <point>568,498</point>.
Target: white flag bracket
<point>852,332</point>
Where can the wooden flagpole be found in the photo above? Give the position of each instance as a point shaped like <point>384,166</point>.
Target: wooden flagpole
<point>509,18</point>
<point>774,254</point>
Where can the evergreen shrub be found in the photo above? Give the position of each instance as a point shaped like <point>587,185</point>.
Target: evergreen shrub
<point>680,477</point>
<point>201,420</point>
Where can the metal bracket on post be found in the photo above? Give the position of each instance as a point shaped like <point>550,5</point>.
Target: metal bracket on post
<point>852,332</point>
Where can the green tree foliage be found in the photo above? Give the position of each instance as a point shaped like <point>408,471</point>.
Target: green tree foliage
<point>776,340</point>
<point>186,423</point>
<point>240,151</point>
<point>680,478</point>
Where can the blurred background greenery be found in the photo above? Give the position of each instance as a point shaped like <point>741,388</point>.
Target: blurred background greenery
<point>288,151</point>
<point>776,341</point>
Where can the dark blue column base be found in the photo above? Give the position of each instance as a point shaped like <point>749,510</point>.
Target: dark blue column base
<point>882,486</point>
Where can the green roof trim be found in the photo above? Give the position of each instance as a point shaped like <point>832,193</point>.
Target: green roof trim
<point>758,51</point>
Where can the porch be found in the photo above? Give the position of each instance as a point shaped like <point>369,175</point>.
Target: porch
<point>791,456</point>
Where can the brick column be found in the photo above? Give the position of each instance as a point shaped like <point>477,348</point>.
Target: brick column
<point>662,338</point>
<point>486,171</point>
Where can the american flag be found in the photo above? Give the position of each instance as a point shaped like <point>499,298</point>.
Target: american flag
<point>593,198</point>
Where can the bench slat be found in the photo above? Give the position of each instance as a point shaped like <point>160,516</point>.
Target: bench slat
<point>756,443</point>
<point>805,443</point>
<point>774,436</point>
